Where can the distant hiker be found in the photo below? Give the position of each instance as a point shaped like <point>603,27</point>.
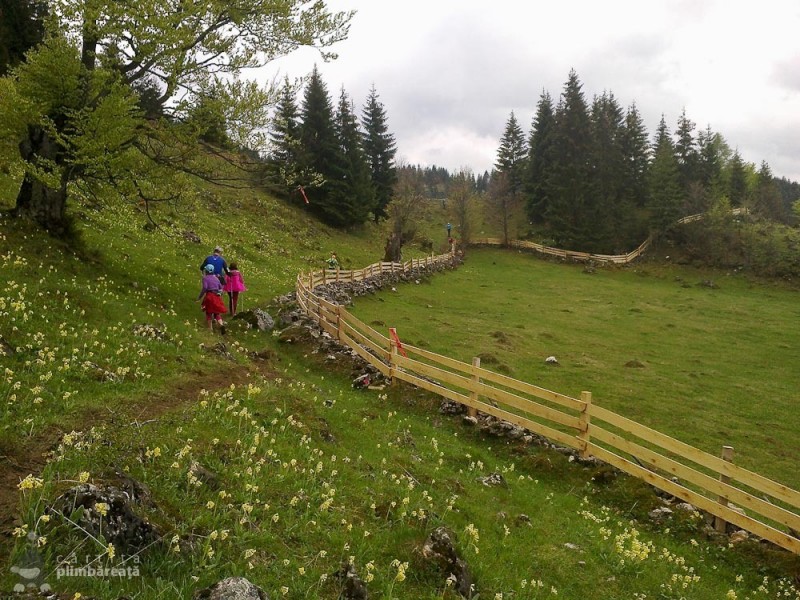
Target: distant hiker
<point>234,285</point>
<point>210,298</point>
<point>220,266</point>
<point>333,261</point>
<point>449,229</point>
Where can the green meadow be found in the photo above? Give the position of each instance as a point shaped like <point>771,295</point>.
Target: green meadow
<point>706,357</point>
<point>260,460</point>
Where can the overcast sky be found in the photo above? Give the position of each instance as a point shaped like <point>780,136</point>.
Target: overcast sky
<point>449,72</point>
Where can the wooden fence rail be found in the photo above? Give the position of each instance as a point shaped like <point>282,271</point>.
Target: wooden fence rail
<point>729,492</point>
<point>619,259</point>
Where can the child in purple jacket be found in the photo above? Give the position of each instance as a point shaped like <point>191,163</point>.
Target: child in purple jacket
<point>211,300</point>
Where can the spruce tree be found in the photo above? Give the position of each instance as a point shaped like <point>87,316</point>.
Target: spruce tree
<point>353,194</point>
<point>737,181</point>
<point>511,156</point>
<point>768,202</point>
<point>709,147</point>
<point>666,193</point>
<point>636,152</point>
<point>606,203</point>
<point>686,151</point>
<point>284,163</point>
<point>321,152</point>
<point>379,150</point>
<point>568,183</point>
<point>538,165</point>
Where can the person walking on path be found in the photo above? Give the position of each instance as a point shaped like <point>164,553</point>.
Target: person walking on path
<point>220,266</point>
<point>210,299</point>
<point>333,261</point>
<point>234,285</point>
<point>449,229</point>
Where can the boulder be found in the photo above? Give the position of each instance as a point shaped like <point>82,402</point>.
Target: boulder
<point>257,319</point>
<point>107,511</point>
<point>232,588</point>
<point>439,549</point>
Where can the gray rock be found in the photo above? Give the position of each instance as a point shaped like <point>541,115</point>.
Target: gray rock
<point>439,549</point>
<point>114,518</point>
<point>232,588</point>
<point>257,319</point>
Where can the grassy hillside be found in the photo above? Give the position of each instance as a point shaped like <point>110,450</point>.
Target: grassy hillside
<point>277,469</point>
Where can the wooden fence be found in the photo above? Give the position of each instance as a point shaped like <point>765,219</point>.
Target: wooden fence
<point>619,259</point>
<point>713,484</point>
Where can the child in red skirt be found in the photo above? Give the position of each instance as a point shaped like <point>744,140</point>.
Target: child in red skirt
<point>234,284</point>
<point>211,299</point>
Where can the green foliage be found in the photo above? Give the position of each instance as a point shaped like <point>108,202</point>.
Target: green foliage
<point>21,28</point>
<point>511,155</point>
<point>379,149</point>
<point>169,49</point>
<point>539,160</point>
<point>568,182</point>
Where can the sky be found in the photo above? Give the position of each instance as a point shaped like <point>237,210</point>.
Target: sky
<point>450,72</point>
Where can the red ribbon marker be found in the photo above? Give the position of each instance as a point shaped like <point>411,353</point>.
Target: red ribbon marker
<point>303,192</point>
<point>396,340</point>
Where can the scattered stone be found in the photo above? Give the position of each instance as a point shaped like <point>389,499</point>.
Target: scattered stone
<point>219,348</point>
<point>256,319</point>
<point>449,407</point>
<point>634,364</point>
<point>263,355</point>
<point>107,511</point>
<point>686,507</point>
<point>294,333</point>
<point>709,283</point>
<point>739,536</point>
<point>571,546</point>
<point>362,381</point>
<point>551,360</point>
<point>191,236</point>
<point>206,476</point>
<point>493,479</point>
<point>6,349</point>
<point>468,420</point>
<point>232,588</point>
<point>659,514</point>
<point>523,518</point>
<point>439,548</point>
<point>354,587</point>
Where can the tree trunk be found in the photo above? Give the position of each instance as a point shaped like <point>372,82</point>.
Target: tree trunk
<point>36,201</point>
<point>392,252</point>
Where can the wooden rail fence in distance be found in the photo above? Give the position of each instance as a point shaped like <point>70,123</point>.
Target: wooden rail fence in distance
<point>619,259</point>
<point>729,492</point>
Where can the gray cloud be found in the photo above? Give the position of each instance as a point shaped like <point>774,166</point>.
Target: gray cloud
<point>450,72</point>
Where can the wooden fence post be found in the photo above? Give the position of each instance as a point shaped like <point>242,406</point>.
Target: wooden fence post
<point>392,362</point>
<point>339,328</point>
<point>476,363</point>
<point>721,524</point>
<point>585,419</point>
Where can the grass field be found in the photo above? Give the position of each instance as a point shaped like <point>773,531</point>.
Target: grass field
<point>707,365</point>
<point>281,472</point>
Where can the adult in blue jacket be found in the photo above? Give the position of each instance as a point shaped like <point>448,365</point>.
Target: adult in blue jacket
<point>220,266</point>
